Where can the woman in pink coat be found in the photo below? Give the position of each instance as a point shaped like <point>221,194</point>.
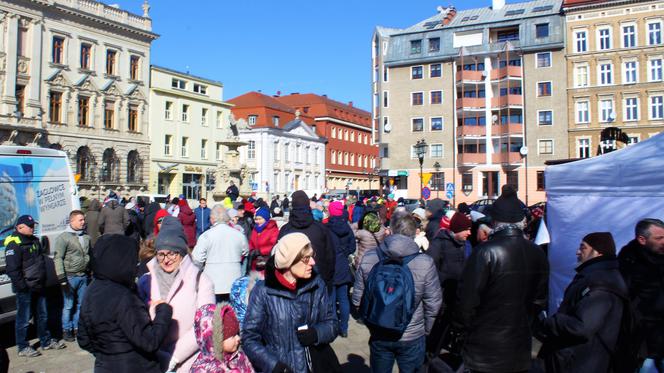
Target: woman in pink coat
<point>175,279</point>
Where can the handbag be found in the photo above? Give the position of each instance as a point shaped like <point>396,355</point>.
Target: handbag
<point>321,358</point>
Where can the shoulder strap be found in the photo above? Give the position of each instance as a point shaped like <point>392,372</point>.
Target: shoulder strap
<point>375,239</point>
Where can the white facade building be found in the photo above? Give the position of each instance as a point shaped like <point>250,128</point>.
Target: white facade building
<point>285,159</point>
<point>74,76</point>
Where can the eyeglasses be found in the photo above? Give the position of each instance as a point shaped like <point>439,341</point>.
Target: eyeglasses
<point>307,258</point>
<point>170,255</point>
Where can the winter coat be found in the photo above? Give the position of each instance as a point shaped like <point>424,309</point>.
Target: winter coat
<point>188,220</point>
<point>643,272</point>
<point>343,241</point>
<point>578,337</point>
<point>502,287</point>
<point>239,296</point>
<point>367,240</point>
<point>285,204</point>
<point>219,252</point>
<point>264,241</point>
<point>185,300</point>
<point>113,219</point>
<point>150,213</point>
<point>71,257</point>
<point>428,297</point>
<point>114,324</point>
<point>22,252</point>
<point>275,313</point>
<point>92,221</point>
<point>301,220</point>
<point>448,256</point>
<point>358,213</point>
<point>433,224</point>
<point>135,227</point>
<point>202,220</point>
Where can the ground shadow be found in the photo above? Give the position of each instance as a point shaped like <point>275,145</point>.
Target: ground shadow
<point>355,364</point>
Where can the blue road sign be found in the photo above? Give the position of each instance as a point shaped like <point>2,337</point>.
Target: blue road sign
<point>449,195</point>
<point>426,193</point>
<point>449,187</point>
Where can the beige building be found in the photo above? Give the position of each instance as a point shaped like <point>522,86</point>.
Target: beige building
<point>478,86</point>
<point>615,58</point>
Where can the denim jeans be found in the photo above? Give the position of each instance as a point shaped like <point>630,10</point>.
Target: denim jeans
<point>652,366</point>
<point>409,355</point>
<point>24,301</point>
<point>72,298</point>
<point>344,307</point>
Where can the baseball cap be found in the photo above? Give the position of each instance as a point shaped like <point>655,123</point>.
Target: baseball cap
<point>27,220</point>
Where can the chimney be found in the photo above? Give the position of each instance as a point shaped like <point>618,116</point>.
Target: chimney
<point>451,13</point>
<point>350,103</point>
<point>497,4</point>
<point>278,93</point>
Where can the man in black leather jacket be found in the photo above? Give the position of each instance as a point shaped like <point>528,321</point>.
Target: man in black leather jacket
<point>502,287</point>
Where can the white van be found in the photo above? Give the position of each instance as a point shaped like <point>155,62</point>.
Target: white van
<point>37,182</point>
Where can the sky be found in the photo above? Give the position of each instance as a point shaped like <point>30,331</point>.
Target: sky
<point>321,47</point>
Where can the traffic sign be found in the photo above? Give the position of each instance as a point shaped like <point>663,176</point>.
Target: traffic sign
<point>426,193</point>
<point>449,195</point>
<point>449,187</point>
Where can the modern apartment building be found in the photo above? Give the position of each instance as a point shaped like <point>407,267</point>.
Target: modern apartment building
<point>480,86</point>
<point>74,76</point>
<point>615,60</point>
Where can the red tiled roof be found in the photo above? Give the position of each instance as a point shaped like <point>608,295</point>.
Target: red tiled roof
<point>572,3</point>
<point>257,99</point>
<point>307,99</point>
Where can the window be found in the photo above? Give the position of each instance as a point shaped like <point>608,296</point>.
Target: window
<point>199,88</point>
<point>219,151</point>
<point>191,185</point>
<point>583,148</point>
<point>345,135</point>
<point>251,149</point>
<point>133,119</point>
<point>632,140</point>
<point>111,56</point>
<point>178,83</point>
<point>167,144</point>
<point>134,64</point>
<point>386,100</point>
<point>657,107</point>
<point>438,181</point>
<point>437,124</point>
<point>544,59</point>
<point>185,147</point>
<point>580,41</point>
<point>219,119</point>
<point>168,110</point>
<point>605,74</point>
<point>543,89</point>
<point>386,75</point>
<point>386,124</point>
<point>417,98</point>
<point>629,36</point>
<point>58,50</point>
<point>545,146</point>
<point>413,152</point>
<point>22,41</point>
<point>655,69</point>
<point>631,108</point>
<point>253,119</point>
<point>507,35</point>
<point>415,46</point>
<point>435,70</point>
<point>83,111</point>
<point>185,113</point>
<point>20,98</point>
<point>134,167</point>
<point>86,52</point>
<point>333,157</point>
<point>352,160</point>
<point>540,181</point>
<point>334,133</point>
<point>581,75</point>
<point>582,112</point>
<point>629,69</point>
<point>542,30</point>
<point>276,151</point>
<point>109,114</point>
<point>352,136</point>
<point>655,33</point>
<point>416,72</point>
<point>434,44</point>
<point>604,39</point>
<point>545,118</point>
<point>436,97</point>
<point>287,152</point>
<point>55,107</point>
<point>417,125</point>
<point>203,149</point>
<point>467,182</point>
<point>606,110</point>
<point>204,117</point>
<point>436,150</point>
<point>275,121</point>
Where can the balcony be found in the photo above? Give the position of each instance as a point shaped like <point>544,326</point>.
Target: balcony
<point>469,75</point>
<point>507,129</point>
<point>511,100</point>
<point>471,103</point>
<point>471,131</point>
<point>471,158</point>
<point>507,158</point>
<point>507,71</point>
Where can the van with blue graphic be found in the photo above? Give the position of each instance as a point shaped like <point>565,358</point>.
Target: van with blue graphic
<point>37,182</point>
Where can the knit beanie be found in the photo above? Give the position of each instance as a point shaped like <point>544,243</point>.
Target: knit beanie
<point>460,223</point>
<point>336,208</point>
<point>287,249</point>
<point>371,222</point>
<point>171,236</point>
<point>602,242</point>
<point>300,199</point>
<point>507,208</point>
<point>263,213</point>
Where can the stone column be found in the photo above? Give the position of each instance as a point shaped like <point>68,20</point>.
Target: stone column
<point>33,100</point>
<point>9,99</point>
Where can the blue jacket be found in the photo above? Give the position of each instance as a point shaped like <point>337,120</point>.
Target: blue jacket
<point>273,316</point>
<point>344,244</point>
<point>202,220</point>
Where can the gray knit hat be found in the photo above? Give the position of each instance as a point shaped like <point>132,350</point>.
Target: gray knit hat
<point>171,236</point>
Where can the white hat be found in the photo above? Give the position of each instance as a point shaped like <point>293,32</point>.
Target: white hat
<point>130,206</point>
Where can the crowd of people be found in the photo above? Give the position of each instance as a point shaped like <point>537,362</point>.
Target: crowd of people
<point>151,288</point>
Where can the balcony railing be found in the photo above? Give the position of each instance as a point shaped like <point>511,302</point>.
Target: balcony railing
<point>512,71</point>
<point>511,158</point>
<point>471,102</point>
<point>471,130</point>
<point>512,100</point>
<point>471,158</point>
<point>507,129</point>
<point>469,75</point>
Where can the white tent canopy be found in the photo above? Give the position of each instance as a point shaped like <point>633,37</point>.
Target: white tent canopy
<point>611,193</point>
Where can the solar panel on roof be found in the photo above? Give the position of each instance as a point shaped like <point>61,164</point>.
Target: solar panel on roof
<point>542,8</point>
<point>514,12</point>
<point>430,25</point>
<point>464,19</point>
<point>474,18</point>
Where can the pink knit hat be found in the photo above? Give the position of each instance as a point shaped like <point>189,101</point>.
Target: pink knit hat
<point>336,208</point>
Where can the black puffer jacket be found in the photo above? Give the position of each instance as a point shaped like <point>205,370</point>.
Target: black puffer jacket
<point>150,212</point>
<point>437,209</point>
<point>301,220</point>
<point>578,336</point>
<point>343,241</point>
<point>448,255</point>
<point>503,285</point>
<point>643,272</point>
<point>114,324</point>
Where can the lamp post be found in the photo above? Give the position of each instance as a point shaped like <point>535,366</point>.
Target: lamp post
<point>437,179</point>
<point>421,150</point>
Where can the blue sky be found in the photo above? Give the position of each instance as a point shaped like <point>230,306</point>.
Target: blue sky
<point>302,46</point>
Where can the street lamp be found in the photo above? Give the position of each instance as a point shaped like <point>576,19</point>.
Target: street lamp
<point>421,150</point>
<point>437,178</point>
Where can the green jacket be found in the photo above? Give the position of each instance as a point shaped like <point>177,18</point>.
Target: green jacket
<point>71,259</point>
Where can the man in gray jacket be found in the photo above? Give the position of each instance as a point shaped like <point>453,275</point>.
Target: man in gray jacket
<point>113,218</point>
<point>72,257</point>
<point>409,350</point>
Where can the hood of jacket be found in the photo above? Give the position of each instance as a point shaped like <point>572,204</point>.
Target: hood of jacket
<point>114,258</point>
<point>339,226</point>
<point>185,209</point>
<point>94,205</point>
<point>301,217</point>
<point>113,204</point>
<point>399,245</point>
<point>436,206</point>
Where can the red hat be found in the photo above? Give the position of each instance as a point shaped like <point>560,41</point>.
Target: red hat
<point>336,208</point>
<point>230,323</point>
<point>460,222</point>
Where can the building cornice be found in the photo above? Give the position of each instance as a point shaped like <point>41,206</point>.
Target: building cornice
<point>181,74</point>
<point>345,123</point>
<point>192,96</point>
<point>594,4</point>
<point>279,132</point>
<point>102,138</point>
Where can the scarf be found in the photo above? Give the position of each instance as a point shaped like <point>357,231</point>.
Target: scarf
<point>165,280</point>
<point>259,228</point>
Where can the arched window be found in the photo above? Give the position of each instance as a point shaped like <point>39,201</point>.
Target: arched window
<point>134,167</point>
<point>84,164</point>
<point>110,166</point>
